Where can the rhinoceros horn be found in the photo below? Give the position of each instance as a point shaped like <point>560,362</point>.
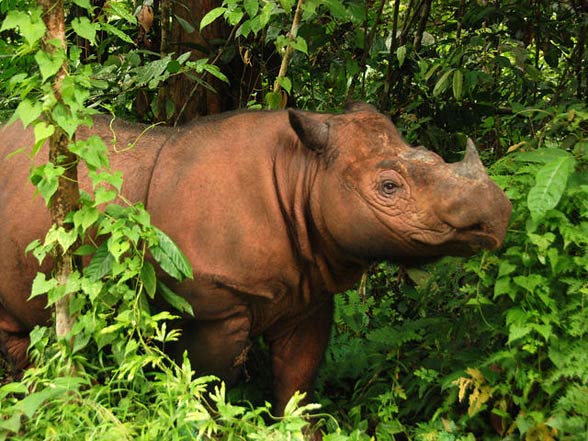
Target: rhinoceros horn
<point>471,166</point>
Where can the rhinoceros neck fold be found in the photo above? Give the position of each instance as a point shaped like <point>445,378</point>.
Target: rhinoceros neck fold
<point>295,173</point>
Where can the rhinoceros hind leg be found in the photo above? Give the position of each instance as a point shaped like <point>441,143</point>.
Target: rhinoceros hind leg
<point>14,349</point>
<point>14,341</point>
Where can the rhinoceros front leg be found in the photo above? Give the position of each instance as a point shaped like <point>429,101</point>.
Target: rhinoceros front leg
<point>217,346</point>
<point>297,354</point>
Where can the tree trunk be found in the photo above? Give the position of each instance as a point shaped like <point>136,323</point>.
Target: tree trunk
<point>191,98</point>
<point>67,195</point>
<point>424,17</point>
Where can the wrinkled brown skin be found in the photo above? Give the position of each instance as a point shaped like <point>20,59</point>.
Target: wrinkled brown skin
<point>277,211</point>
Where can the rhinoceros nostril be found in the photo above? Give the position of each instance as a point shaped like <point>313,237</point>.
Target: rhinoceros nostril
<point>477,227</point>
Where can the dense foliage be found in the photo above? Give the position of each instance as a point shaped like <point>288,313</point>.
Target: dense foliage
<point>492,347</point>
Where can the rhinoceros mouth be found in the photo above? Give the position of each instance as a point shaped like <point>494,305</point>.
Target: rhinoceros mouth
<point>457,242</point>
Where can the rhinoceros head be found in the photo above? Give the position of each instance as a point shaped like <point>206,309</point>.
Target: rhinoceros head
<point>378,198</point>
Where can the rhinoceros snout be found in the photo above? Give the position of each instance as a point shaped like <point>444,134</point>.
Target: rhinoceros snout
<point>483,222</point>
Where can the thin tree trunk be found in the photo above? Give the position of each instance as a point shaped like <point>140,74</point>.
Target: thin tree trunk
<point>385,102</point>
<point>424,18</point>
<point>369,41</point>
<point>289,50</point>
<point>67,195</point>
<point>409,20</point>
<point>459,22</point>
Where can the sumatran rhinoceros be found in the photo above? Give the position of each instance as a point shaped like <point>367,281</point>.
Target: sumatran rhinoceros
<point>276,211</point>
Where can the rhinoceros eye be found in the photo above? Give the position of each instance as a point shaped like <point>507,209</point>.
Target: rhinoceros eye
<point>388,187</point>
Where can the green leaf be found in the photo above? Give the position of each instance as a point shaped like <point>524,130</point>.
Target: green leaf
<point>215,72</point>
<point>457,84</point>
<point>42,132</point>
<point>251,7</point>
<point>300,45</point>
<point>171,259</point>
<point>65,119</point>
<point>31,403</point>
<point>551,181</point>
<point>41,285</point>
<point>61,236</point>
<point>116,32</point>
<point>85,217</point>
<point>401,55</point>
<point>92,151</point>
<point>11,424</point>
<point>337,9</point>
<point>85,250</point>
<point>85,28</point>
<point>517,331</point>
<point>186,26</point>
<point>211,16</point>
<point>13,388</point>
<point>103,195</point>
<point>541,156</point>
<point>30,24</point>
<point>46,178</point>
<point>148,278</point>
<point>264,16</point>
<point>442,83</point>
<point>287,5</point>
<point>49,65</point>
<point>101,263</point>
<point>174,300</point>
<point>84,4</point>
<point>118,8</point>
<point>28,111</point>
<point>285,83</point>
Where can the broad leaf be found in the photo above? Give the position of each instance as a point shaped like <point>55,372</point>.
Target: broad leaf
<point>211,16</point>
<point>117,32</point>
<point>85,28</point>
<point>49,65</point>
<point>551,181</point>
<point>101,263</point>
<point>442,83</point>
<point>174,300</point>
<point>457,84</point>
<point>148,278</point>
<point>401,55</point>
<point>171,259</point>
<point>41,285</point>
<point>30,24</point>
<point>29,110</point>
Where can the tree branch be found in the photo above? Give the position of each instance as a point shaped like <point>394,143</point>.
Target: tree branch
<point>289,49</point>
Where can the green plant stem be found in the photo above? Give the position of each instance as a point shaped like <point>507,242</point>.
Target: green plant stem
<point>289,49</point>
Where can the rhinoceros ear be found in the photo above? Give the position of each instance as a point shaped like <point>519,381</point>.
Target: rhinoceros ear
<point>313,133</point>
<point>359,106</point>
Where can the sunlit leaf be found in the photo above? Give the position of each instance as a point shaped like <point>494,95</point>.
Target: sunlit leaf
<point>442,83</point>
<point>457,84</point>
<point>42,285</point>
<point>28,111</point>
<point>211,16</point>
<point>401,55</point>
<point>174,300</point>
<point>85,28</point>
<point>551,181</point>
<point>101,263</point>
<point>30,24</point>
<point>171,259</point>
